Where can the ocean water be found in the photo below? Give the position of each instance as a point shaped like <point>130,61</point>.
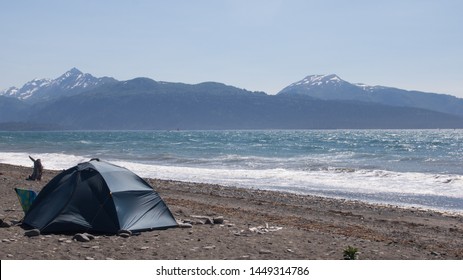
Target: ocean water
<point>409,168</point>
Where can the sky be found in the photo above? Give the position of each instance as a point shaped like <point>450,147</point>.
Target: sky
<point>261,45</point>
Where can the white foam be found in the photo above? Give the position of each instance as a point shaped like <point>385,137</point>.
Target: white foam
<point>362,181</point>
<point>52,161</point>
<point>348,183</point>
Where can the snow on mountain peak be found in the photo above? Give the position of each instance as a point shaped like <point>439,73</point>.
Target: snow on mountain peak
<point>318,80</point>
<point>72,81</point>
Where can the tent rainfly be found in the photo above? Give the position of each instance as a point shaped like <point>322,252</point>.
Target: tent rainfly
<point>99,197</point>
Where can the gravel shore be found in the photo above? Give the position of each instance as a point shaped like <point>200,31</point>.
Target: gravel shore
<point>249,224</point>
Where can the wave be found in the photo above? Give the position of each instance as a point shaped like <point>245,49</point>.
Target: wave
<point>420,168</point>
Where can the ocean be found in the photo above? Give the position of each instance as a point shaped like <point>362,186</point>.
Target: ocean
<point>406,168</point>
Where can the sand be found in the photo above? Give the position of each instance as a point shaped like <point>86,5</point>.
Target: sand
<point>257,225</point>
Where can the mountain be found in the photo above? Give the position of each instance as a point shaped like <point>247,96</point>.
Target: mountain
<point>70,83</point>
<point>146,104</point>
<point>332,87</point>
<point>12,109</point>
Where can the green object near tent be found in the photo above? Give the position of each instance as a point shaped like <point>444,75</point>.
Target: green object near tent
<point>25,197</point>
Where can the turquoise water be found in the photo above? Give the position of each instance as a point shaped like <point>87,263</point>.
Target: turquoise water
<point>420,168</point>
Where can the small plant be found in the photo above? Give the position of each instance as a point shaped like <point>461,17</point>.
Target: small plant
<point>350,253</point>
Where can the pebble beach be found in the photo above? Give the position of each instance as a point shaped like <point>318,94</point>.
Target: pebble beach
<point>220,222</point>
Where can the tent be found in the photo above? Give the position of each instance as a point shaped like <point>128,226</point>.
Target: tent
<point>100,197</point>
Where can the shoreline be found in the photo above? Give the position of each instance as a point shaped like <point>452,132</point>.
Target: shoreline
<point>258,224</point>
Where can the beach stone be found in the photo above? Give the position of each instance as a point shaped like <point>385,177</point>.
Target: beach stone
<point>204,219</point>
<point>80,237</point>
<point>218,220</point>
<point>5,224</point>
<point>264,252</point>
<point>91,237</point>
<point>32,232</point>
<point>185,225</point>
<point>124,233</point>
<point>62,239</point>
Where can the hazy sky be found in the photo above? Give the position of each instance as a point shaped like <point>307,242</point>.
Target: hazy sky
<point>258,45</point>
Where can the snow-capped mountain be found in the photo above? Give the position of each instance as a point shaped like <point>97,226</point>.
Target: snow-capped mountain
<point>319,80</point>
<point>327,87</point>
<point>332,87</point>
<point>71,82</point>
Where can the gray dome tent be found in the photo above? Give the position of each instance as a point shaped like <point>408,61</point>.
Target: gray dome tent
<point>100,197</point>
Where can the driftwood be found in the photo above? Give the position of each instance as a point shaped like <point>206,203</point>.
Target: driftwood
<point>38,170</point>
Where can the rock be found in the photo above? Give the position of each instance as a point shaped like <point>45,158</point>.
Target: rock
<point>89,258</point>
<point>185,225</point>
<point>32,232</point>
<point>218,220</point>
<point>209,247</point>
<point>81,237</point>
<point>91,237</point>
<point>5,224</point>
<point>125,233</point>
<point>204,219</point>
<point>144,248</point>
<point>264,252</point>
